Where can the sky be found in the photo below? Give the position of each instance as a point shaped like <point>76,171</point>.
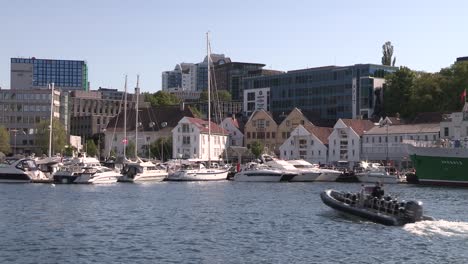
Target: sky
<point>119,38</point>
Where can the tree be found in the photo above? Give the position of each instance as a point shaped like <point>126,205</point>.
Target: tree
<point>69,150</point>
<point>397,92</point>
<point>4,140</point>
<point>155,148</point>
<point>91,148</point>
<point>256,148</point>
<point>130,149</point>
<point>161,98</point>
<point>387,50</point>
<point>222,95</point>
<point>59,136</point>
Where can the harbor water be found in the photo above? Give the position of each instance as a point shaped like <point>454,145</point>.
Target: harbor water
<point>220,222</point>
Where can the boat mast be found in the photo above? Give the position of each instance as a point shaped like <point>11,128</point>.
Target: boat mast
<point>209,99</point>
<point>51,117</point>
<point>137,93</point>
<point>125,119</point>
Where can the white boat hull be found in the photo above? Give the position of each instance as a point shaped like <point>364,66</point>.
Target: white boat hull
<point>147,177</point>
<point>375,177</point>
<point>328,176</point>
<point>306,177</point>
<point>195,175</point>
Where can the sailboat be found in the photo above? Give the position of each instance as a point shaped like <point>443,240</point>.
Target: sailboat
<point>139,170</point>
<point>199,172</point>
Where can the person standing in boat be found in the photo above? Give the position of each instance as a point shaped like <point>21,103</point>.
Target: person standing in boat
<point>378,190</point>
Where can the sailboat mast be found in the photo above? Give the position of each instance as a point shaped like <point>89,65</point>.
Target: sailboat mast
<point>209,96</point>
<point>137,93</point>
<point>51,117</point>
<point>125,119</point>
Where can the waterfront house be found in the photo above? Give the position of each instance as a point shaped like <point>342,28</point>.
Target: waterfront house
<point>235,127</point>
<point>261,127</point>
<point>191,139</point>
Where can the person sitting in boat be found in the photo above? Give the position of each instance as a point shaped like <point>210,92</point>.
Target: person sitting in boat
<point>378,191</point>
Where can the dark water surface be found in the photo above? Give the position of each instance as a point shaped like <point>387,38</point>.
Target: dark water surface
<point>223,222</point>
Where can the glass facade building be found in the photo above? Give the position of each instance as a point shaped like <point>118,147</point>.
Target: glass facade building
<point>328,93</point>
<point>38,73</point>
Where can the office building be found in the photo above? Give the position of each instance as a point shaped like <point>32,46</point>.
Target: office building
<point>33,73</point>
<point>329,93</point>
<point>21,112</point>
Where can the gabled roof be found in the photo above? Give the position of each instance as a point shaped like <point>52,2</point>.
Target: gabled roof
<point>237,122</point>
<point>259,111</point>
<point>322,133</point>
<point>159,114</point>
<point>202,125</point>
<point>358,125</point>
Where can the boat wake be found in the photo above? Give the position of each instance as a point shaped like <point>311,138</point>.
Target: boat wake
<point>439,227</point>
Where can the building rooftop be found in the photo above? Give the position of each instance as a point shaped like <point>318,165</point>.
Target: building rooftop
<point>322,133</point>
<point>203,126</point>
<point>358,125</point>
<point>405,129</point>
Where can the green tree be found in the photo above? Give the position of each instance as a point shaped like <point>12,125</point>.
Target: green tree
<point>69,150</point>
<point>387,51</point>
<point>161,98</point>
<point>130,149</point>
<point>454,80</point>
<point>91,148</point>
<point>4,140</point>
<point>222,95</point>
<point>196,112</point>
<point>397,92</point>
<point>59,136</point>
<point>256,148</point>
<point>155,148</point>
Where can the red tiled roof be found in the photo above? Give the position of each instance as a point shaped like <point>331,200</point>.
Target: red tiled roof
<point>322,133</point>
<point>359,125</point>
<point>203,126</point>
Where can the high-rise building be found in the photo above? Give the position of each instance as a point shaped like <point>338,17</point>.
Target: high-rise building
<point>35,73</point>
<point>330,92</point>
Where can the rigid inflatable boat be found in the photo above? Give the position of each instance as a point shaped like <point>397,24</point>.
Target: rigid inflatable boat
<point>380,209</point>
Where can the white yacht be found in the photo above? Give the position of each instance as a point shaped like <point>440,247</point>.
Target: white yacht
<point>97,175</point>
<point>254,172</point>
<point>307,171</point>
<point>374,172</point>
<point>19,171</point>
<point>198,172</point>
<point>142,171</point>
<point>85,170</point>
<point>328,175</point>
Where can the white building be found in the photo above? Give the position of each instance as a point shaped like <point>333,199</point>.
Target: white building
<point>307,142</point>
<point>234,127</point>
<point>456,125</point>
<point>190,139</point>
<point>256,99</point>
<point>382,143</point>
<point>344,143</point>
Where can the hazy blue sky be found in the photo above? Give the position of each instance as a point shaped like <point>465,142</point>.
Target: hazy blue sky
<point>148,37</point>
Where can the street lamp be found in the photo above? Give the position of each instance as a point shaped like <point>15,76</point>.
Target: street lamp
<point>163,125</point>
<point>99,141</point>
<point>151,124</point>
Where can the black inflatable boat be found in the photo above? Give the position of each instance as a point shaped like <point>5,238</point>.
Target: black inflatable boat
<point>384,210</point>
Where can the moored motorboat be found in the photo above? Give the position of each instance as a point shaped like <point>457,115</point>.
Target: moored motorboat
<point>374,207</point>
<point>254,172</point>
<point>19,171</point>
<point>142,171</point>
<point>374,172</point>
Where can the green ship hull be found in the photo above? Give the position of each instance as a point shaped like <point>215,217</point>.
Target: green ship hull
<point>440,166</point>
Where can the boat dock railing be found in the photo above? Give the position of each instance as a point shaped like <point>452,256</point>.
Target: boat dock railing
<point>441,143</point>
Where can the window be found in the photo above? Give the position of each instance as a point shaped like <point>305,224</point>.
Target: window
<point>353,152</point>
<point>267,123</point>
<point>284,152</point>
<point>254,123</point>
<point>267,134</point>
<point>311,142</point>
<point>261,123</point>
<point>273,134</point>
<point>380,139</point>
<point>352,142</point>
<point>250,96</point>
<point>185,128</point>
<point>319,152</point>
<point>446,131</point>
<point>186,140</point>
<point>254,135</point>
<point>425,138</point>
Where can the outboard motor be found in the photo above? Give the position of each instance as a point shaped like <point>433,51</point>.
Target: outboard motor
<point>413,211</point>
